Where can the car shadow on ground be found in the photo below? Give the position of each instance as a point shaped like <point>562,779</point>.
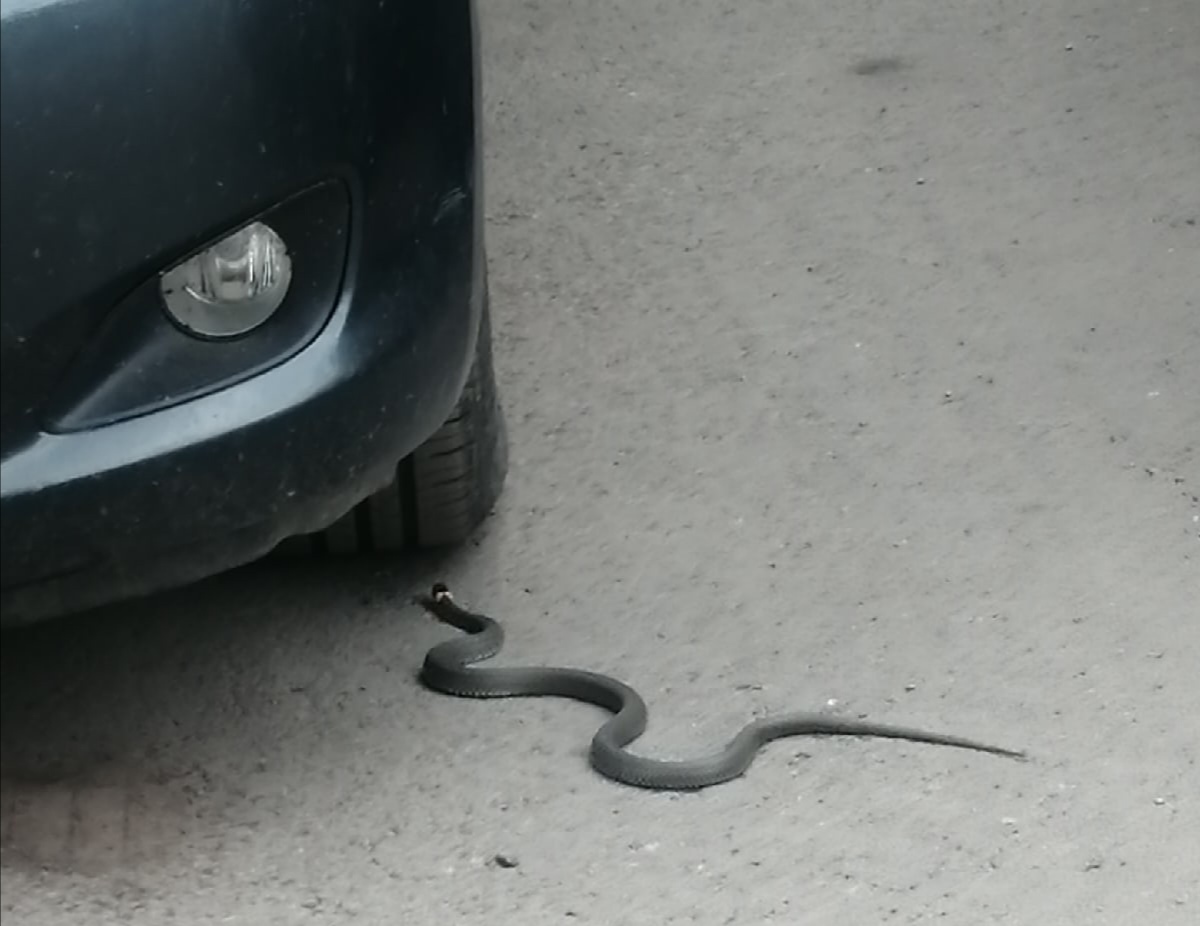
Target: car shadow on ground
<point>112,721</point>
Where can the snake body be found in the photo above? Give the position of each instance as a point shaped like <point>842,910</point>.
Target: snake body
<point>448,669</point>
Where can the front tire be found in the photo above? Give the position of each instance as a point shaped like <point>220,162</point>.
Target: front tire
<point>445,488</point>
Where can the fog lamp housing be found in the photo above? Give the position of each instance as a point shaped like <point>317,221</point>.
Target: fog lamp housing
<point>232,286</point>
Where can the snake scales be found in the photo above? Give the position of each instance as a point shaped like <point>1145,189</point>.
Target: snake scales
<point>448,669</point>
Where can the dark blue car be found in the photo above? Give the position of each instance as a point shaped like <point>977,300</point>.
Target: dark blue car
<point>243,289</point>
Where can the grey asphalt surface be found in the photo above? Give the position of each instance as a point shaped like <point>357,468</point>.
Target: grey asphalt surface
<point>851,355</point>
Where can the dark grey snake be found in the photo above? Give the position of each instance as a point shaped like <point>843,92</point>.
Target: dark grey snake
<point>446,669</point>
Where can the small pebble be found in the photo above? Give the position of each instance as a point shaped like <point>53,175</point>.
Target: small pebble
<point>505,861</point>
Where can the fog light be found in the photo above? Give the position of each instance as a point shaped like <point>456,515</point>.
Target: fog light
<point>231,287</point>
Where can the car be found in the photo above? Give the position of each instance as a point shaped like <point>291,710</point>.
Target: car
<point>243,291</point>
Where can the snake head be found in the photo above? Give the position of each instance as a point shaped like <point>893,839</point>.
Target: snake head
<point>439,594</point>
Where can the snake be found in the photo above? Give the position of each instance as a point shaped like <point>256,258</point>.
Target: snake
<point>449,668</point>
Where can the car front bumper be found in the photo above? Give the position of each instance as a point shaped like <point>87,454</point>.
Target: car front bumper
<point>133,135</point>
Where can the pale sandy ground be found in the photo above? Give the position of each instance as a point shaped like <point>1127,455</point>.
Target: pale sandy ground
<point>852,358</point>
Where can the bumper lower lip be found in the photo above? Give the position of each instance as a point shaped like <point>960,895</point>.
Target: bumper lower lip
<point>99,515</point>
